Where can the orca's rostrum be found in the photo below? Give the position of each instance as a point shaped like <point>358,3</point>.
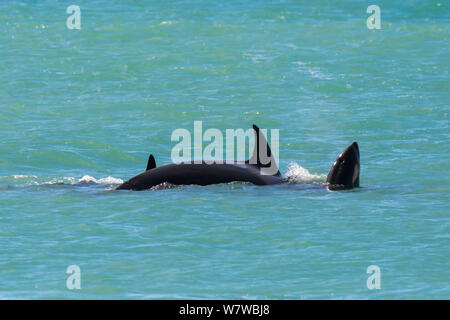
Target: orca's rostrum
<point>259,170</point>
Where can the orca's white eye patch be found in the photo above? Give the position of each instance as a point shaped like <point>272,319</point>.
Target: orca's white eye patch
<point>355,173</point>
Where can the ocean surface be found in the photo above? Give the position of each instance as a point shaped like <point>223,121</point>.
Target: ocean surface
<point>80,111</point>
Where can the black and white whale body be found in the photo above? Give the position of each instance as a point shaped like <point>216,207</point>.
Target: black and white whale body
<point>259,170</point>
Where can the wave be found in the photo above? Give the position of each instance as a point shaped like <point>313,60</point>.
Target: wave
<point>20,180</point>
<point>107,180</point>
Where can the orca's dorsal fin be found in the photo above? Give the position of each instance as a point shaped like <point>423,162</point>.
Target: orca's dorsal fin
<point>151,164</point>
<point>262,155</point>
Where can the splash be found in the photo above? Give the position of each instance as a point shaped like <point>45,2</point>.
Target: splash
<point>297,174</point>
<point>164,185</point>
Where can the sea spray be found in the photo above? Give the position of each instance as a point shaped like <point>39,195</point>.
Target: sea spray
<point>297,174</point>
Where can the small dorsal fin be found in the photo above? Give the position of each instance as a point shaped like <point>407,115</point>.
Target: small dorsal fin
<point>151,164</point>
<point>262,155</point>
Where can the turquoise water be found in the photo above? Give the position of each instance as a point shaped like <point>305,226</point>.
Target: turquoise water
<point>80,110</point>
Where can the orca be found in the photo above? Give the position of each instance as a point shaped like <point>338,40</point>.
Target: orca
<point>344,173</point>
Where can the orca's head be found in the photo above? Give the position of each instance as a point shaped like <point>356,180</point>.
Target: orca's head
<point>344,173</point>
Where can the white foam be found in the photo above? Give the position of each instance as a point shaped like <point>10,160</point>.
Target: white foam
<point>297,174</point>
<point>28,180</point>
<point>168,22</point>
<point>65,180</point>
<point>107,180</point>
<point>20,176</point>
